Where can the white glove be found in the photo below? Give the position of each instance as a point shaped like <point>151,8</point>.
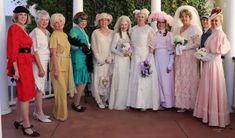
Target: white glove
<point>171,62</point>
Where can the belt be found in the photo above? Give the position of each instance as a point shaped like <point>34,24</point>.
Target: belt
<point>24,50</point>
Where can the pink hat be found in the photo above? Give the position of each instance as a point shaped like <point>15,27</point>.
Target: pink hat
<point>103,15</point>
<point>215,12</point>
<point>161,17</point>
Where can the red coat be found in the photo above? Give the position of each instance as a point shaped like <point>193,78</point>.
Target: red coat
<point>18,38</point>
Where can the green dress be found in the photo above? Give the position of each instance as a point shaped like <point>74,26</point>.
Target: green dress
<point>80,72</point>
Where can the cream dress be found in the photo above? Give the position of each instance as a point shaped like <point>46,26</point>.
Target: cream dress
<point>120,79</point>
<point>101,79</point>
<point>40,45</point>
<point>143,93</point>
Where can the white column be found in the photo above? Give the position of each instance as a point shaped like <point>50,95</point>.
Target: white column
<point>155,5</point>
<point>229,22</point>
<point>77,6</point>
<point>3,79</point>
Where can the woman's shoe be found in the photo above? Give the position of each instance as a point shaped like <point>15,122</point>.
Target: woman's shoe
<point>43,119</point>
<point>18,124</point>
<point>78,108</point>
<point>35,115</point>
<point>34,134</point>
<point>101,105</point>
<point>181,110</point>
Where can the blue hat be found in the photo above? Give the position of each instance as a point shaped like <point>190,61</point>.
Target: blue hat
<point>19,9</point>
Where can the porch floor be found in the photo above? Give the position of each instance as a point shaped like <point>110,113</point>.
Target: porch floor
<point>104,123</point>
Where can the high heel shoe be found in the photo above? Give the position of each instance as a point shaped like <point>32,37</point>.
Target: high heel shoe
<point>43,119</point>
<point>35,115</point>
<point>18,124</point>
<point>34,134</point>
<point>78,108</point>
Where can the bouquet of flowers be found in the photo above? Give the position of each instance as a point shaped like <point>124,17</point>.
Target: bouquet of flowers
<point>180,44</point>
<point>179,40</point>
<point>200,53</point>
<point>203,55</point>
<point>126,48</point>
<point>145,69</point>
<point>104,85</point>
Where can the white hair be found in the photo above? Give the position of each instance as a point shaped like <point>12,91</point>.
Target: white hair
<point>55,18</point>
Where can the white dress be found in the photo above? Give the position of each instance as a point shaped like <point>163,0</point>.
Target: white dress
<point>40,45</point>
<point>119,86</point>
<point>101,46</point>
<point>142,92</point>
<point>164,58</point>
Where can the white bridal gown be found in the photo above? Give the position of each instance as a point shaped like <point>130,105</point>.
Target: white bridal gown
<point>143,93</point>
<point>119,87</point>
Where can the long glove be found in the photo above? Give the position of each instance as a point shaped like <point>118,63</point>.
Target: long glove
<point>171,61</point>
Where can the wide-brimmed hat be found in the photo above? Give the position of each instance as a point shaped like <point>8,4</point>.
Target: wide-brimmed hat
<point>143,11</point>
<point>103,16</point>
<point>161,17</point>
<point>19,9</point>
<point>215,12</point>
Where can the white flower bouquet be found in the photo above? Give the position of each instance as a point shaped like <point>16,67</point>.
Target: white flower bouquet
<point>179,40</point>
<point>204,55</point>
<point>180,44</point>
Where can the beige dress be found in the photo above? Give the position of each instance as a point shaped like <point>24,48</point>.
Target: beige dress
<point>101,46</point>
<point>59,41</point>
<point>212,101</point>
<point>187,70</point>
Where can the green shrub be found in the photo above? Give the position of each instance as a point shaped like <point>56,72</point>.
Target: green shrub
<point>115,7</point>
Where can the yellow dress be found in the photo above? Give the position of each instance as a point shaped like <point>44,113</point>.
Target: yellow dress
<point>59,41</point>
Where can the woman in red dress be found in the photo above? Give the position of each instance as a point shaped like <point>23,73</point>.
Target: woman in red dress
<point>19,67</point>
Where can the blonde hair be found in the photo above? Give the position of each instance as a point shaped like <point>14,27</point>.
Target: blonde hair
<point>15,18</point>
<point>55,18</point>
<point>187,12</point>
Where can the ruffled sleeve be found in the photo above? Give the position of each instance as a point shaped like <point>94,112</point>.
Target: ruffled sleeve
<point>194,38</point>
<point>222,45</point>
<point>151,38</point>
<point>13,43</point>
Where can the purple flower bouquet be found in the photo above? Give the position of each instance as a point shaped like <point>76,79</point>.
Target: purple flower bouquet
<point>145,69</point>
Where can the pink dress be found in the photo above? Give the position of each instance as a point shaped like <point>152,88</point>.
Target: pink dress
<point>187,70</point>
<point>212,103</point>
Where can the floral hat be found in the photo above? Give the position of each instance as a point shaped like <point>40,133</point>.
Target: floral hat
<point>161,17</point>
<point>144,11</point>
<point>215,12</point>
<point>103,15</point>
